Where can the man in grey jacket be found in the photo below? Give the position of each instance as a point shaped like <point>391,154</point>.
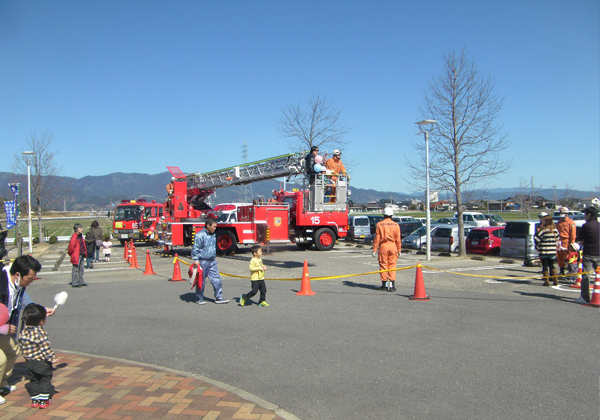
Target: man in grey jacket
<point>204,253</point>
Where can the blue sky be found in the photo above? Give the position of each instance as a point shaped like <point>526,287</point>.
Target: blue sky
<point>135,86</point>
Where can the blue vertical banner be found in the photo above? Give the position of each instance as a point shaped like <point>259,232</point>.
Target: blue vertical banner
<point>11,214</point>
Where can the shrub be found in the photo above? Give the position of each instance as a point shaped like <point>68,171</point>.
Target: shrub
<point>36,240</point>
<point>53,239</point>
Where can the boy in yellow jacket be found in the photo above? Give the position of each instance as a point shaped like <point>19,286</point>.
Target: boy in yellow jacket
<point>257,277</point>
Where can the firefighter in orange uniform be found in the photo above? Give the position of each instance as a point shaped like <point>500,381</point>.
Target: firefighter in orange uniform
<point>387,239</point>
<point>336,167</point>
<point>567,231</point>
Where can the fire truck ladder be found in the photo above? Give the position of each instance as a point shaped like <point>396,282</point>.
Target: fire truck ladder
<point>279,166</point>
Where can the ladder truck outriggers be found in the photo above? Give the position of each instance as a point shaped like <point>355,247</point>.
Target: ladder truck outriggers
<point>304,217</point>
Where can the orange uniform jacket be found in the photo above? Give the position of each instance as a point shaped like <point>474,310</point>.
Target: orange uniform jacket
<point>335,167</point>
<point>387,239</point>
<point>567,231</point>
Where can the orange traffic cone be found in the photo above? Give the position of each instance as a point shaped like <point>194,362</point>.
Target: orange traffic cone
<point>134,262</point>
<point>149,269</point>
<point>577,284</point>
<point>130,252</point>
<point>419,286</point>
<point>305,289</point>
<point>125,247</point>
<point>176,270</point>
<point>595,302</point>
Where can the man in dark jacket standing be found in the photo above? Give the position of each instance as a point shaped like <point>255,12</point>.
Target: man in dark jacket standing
<point>589,237</point>
<point>310,164</point>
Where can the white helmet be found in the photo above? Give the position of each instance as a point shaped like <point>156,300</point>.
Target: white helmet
<point>388,211</point>
<point>575,246</point>
<point>564,210</point>
<point>542,214</point>
<point>336,152</point>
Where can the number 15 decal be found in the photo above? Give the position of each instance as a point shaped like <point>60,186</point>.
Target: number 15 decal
<point>315,220</point>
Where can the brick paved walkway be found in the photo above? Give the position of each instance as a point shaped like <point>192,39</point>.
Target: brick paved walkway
<point>96,388</point>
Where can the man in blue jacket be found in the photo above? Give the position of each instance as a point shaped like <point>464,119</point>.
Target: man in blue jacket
<point>204,253</point>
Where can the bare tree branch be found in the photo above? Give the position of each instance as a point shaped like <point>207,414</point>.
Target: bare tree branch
<point>48,188</point>
<point>317,125</point>
<point>466,142</point>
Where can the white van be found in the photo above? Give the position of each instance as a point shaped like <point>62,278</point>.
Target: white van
<point>474,218</point>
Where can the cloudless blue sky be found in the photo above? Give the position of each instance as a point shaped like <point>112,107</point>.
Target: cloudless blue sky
<point>135,86</point>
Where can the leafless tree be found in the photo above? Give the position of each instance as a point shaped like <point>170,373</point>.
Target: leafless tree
<point>524,197</point>
<point>569,196</point>
<point>47,185</point>
<point>316,125</point>
<point>466,142</point>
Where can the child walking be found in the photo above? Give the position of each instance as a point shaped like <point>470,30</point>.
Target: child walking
<point>38,355</point>
<point>106,246</point>
<point>257,278</point>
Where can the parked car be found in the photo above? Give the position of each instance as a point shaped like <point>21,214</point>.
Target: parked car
<point>495,220</point>
<point>517,240</point>
<point>448,221</point>
<point>474,218</point>
<point>485,240</point>
<point>424,220</point>
<point>573,215</point>
<point>445,238</point>
<point>418,238</point>
<point>360,227</point>
<point>399,219</point>
<point>406,228</point>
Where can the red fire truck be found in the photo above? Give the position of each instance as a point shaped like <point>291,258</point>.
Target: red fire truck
<point>136,219</point>
<point>304,217</point>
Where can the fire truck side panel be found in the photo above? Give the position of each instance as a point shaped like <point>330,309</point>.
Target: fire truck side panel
<point>179,203</point>
<point>277,223</point>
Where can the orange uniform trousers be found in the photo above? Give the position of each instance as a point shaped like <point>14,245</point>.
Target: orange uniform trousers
<point>388,258</point>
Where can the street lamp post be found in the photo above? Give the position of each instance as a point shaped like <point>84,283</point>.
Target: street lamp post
<point>27,154</point>
<point>425,131</point>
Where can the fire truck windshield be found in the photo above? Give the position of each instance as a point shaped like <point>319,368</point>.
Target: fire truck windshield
<point>125,213</point>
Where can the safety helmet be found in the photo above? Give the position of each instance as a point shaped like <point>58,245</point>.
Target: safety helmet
<point>564,210</point>
<point>575,246</point>
<point>542,214</point>
<point>336,152</point>
<point>314,149</point>
<point>388,211</point>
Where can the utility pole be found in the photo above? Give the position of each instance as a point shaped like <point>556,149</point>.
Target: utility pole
<point>246,189</point>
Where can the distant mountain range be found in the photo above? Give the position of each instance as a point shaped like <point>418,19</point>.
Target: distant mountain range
<point>96,192</point>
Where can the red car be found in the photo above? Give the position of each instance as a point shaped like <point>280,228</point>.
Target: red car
<point>485,240</point>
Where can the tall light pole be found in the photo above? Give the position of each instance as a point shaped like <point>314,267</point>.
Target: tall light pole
<point>27,154</point>
<point>426,131</point>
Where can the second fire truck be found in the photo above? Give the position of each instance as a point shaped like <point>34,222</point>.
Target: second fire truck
<point>305,217</point>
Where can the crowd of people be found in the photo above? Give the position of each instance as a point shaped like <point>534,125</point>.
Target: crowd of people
<point>559,242</point>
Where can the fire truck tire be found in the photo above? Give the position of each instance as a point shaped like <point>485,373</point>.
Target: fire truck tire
<point>304,245</point>
<point>324,239</point>
<point>122,242</point>
<point>226,242</point>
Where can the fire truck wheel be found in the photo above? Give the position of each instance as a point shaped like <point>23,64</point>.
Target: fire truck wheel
<point>122,242</point>
<point>324,239</point>
<point>226,242</point>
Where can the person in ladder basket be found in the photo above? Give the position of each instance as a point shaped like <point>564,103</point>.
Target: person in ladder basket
<point>337,168</point>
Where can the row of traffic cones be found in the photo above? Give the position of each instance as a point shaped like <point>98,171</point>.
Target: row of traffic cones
<point>419,293</point>
<point>130,255</point>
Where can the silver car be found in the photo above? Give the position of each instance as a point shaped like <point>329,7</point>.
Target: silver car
<point>418,238</point>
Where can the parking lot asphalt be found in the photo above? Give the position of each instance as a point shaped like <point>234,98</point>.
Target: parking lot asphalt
<point>493,344</point>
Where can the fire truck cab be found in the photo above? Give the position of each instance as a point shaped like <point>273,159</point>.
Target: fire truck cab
<point>136,219</point>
